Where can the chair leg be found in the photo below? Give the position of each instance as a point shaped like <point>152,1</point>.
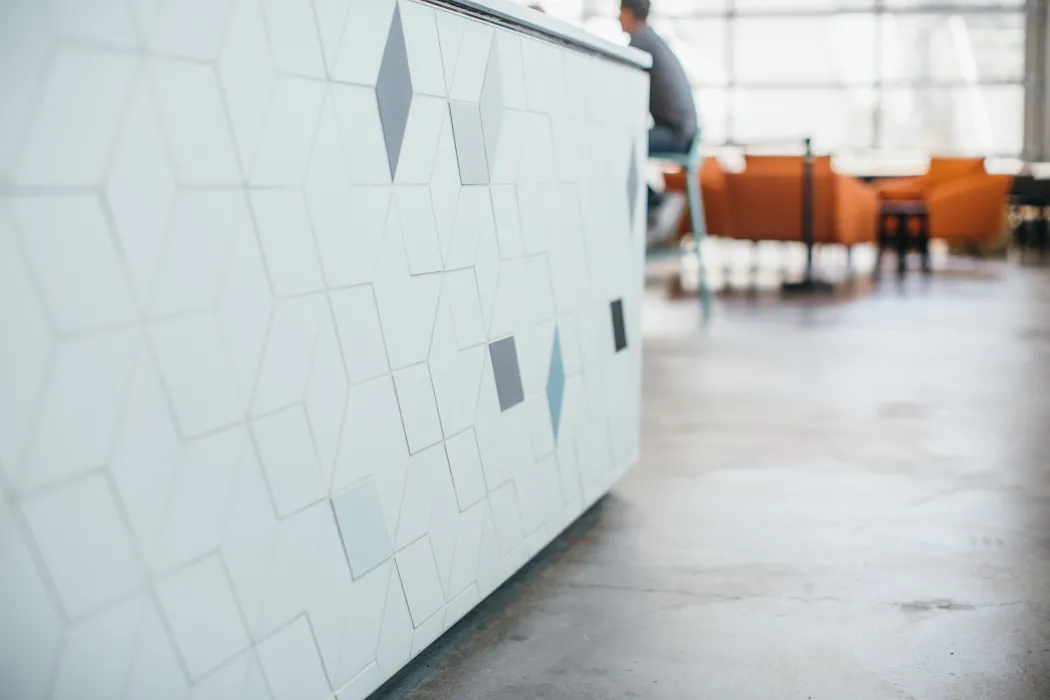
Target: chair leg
<point>696,212</point>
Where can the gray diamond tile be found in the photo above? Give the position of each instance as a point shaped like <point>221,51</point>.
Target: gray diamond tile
<point>504,355</point>
<point>632,185</point>
<point>470,143</point>
<point>394,91</point>
<point>361,527</point>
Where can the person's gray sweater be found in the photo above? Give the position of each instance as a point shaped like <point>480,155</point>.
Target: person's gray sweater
<point>670,95</point>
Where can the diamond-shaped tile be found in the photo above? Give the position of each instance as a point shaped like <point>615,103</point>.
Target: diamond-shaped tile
<point>556,385</point>
<point>200,499</point>
<point>419,576</point>
<point>422,132</point>
<point>362,529</point>
<point>450,36</point>
<point>465,464</point>
<point>362,132</point>
<point>289,460</point>
<point>291,663</point>
<point>456,374</point>
<point>364,34</point>
<point>468,543</point>
<point>326,185</point>
<point>84,544</point>
<point>293,31</point>
<point>202,611</point>
<point>491,104</point>
<point>362,622</point>
<point>374,445</point>
<point>407,304</point>
<point>424,50</point>
<point>357,319</point>
<point>287,241</point>
<point>247,77</point>
<point>326,396</point>
<point>68,243</point>
<point>92,84</point>
<point>444,521</point>
<point>619,331</point>
<point>284,148</point>
<point>415,395</point>
<point>291,568</point>
<point>141,189</point>
<point>422,245</point>
<point>470,143</point>
<point>465,302</point>
<point>473,222</point>
<point>156,672</point>
<point>471,60</point>
<point>24,54</point>
<point>508,223</point>
<point>394,90</point>
<point>445,182</point>
<point>504,357</point>
<point>80,407</point>
<point>424,470</point>
<point>285,372</point>
<point>395,636</point>
<point>98,653</point>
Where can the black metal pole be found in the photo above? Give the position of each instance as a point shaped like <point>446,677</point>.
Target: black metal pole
<point>809,283</point>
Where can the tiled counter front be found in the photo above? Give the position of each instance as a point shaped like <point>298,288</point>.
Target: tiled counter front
<point>316,322</point>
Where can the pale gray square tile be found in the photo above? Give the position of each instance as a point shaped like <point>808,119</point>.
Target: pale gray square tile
<point>470,143</point>
<point>362,527</point>
<point>504,355</point>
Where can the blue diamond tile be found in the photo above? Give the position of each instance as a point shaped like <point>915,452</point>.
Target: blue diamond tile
<point>394,90</point>
<point>556,385</point>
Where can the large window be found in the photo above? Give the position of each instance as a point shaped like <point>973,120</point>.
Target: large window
<point>942,76</point>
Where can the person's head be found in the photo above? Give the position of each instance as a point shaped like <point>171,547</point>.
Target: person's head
<point>633,14</point>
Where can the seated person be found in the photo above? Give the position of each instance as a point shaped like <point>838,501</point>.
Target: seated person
<point>672,108</point>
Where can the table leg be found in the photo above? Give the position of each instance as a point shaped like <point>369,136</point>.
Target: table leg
<point>902,245</point>
<point>924,243</point>
<point>881,247</point>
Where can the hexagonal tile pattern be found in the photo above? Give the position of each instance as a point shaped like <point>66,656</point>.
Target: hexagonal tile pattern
<point>305,308</point>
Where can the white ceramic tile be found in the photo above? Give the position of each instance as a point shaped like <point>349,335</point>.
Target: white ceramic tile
<point>419,576</point>
<point>537,161</point>
<point>503,437</point>
<point>459,606</point>
<point>534,357</point>
<point>140,191</point>
<point>361,132</point>
<point>487,273</point>
<point>535,219</point>
<point>289,460</point>
<point>144,457</point>
<point>287,241</point>
<point>80,407</point>
<point>255,686</point>
<point>363,684</point>
<point>471,61</point>
<point>508,223</point>
<point>473,221</point>
<point>243,311</point>
<point>374,445</point>
<point>465,302</point>
<point>465,464</point>
<point>510,311</point>
<point>289,349</point>
<point>420,142</point>
<point>155,672</point>
<point>421,478</point>
<point>364,38</point>
<point>415,395</point>
<point>491,106</point>
<point>362,620</point>
<point>350,251</point>
<point>425,634</point>
<point>357,319</point>
<point>445,182</point>
<point>450,36</point>
<point>291,664</point>
<point>444,521</point>
<point>284,148</point>
<point>536,61</point>
<point>470,143</point>
<point>84,544</point>
<point>507,161</point>
<point>197,252</point>
<point>456,375</point>
<point>92,84</point>
<point>225,682</point>
<point>200,499</point>
<point>331,19</point>
<point>249,536</point>
<point>296,43</point>
<point>506,517</point>
<point>424,50</point>
<point>395,635</point>
<point>511,69</point>
<point>72,251</point>
<point>196,374</point>
<point>489,567</point>
<point>200,607</point>
<point>247,76</point>
<point>291,569</point>
<point>26,348</point>
<point>328,603</point>
<point>468,545</point>
<point>98,653</point>
<point>540,428</point>
<point>541,295</point>
<point>362,528</point>
<point>406,304</point>
<point>326,189</point>
<point>24,50</point>
<point>326,396</point>
<point>32,629</point>
<point>194,120</point>
<point>422,246</point>
<point>190,28</point>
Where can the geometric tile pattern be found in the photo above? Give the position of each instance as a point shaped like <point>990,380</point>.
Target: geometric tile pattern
<point>304,342</point>
<point>632,183</point>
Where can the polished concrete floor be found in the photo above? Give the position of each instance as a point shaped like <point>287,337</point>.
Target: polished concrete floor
<point>840,500</point>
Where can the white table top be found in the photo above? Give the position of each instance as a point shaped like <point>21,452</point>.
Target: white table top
<point>512,12</point>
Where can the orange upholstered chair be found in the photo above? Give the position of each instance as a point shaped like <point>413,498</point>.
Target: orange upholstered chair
<point>764,202</point>
<point>965,203</point>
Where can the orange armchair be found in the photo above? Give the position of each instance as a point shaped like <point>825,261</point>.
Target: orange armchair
<point>965,203</point>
